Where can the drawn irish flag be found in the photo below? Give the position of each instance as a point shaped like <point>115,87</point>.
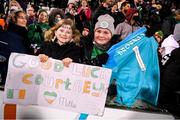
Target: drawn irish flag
<point>50,96</point>
<point>16,93</point>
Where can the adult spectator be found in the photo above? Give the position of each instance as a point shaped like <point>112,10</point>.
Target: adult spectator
<point>13,40</point>
<point>84,11</point>
<point>71,8</point>
<point>12,7</point>
<point>170,79</point>
<point>119,16</point>
<point>169,23</point>
<point>36,30</point>
<point>170,43</point>
<point>55,16</point>
<point>129,25</point>
<point>31,14</point>
<point>104,8</point>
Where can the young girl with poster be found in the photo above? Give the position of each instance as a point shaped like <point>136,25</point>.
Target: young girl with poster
<point>61,42</point>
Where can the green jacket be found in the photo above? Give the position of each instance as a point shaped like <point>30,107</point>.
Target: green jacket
<point>36,33</point>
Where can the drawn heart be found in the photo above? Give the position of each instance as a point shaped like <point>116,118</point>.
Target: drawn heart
<point>50,96</point>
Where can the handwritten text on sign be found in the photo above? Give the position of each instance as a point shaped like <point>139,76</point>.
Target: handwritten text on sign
<point>80,88</point>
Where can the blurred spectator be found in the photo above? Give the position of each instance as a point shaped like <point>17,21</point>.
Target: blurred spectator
<point>129,25</point>
<point>31,14</point>
<point>119,3</point>
<point>94,4</point>
<point>86,38</point>
<point>159,36</point>
<point>2,7</point>
<point>104,8</point>
<point>55,16</point>
<point>36,30</point>
<point>136,3</point>
<point>119,16</point>
<point>14,6</point>
<point>169,23</point>
<point>84,11</point>
<point>114,8</point>
<point>115,14</point>
<point>71,8</point>
<point>62,4</point>
<point>23,4</point>
<point>177,16</point>
<point>40,3</point>
<point>86,29</point>
<point>13,40</point>
<point>124,7</point>
<point>18,26</point>
<point>171,42</point>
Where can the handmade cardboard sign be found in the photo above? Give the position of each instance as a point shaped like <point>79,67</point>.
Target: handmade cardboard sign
<point>79,88</point>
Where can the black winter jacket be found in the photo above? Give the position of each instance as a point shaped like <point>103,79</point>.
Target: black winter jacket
<point>170,83</point>
<point>54,50</point>
<point>170,77</point>
<point>87,48</point>
<point>12,40</point>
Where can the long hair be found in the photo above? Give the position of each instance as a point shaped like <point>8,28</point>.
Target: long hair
<point>15,15</point>
<point>50,34</point>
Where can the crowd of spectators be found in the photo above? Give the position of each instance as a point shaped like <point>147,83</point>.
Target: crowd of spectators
<point>35,27</point>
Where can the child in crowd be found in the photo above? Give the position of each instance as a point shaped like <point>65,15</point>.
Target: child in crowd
<point>61,43</point>
<point>103,32</point>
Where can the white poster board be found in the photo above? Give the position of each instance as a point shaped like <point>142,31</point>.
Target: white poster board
<point>79,88</point>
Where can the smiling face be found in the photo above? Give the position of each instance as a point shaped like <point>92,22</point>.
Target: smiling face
<point>64,34</point>
<point>43,17</point>
<point>102,36</point>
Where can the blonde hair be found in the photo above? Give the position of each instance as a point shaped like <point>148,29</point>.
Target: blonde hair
<point>16,3</point>
<point>49,35</point>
